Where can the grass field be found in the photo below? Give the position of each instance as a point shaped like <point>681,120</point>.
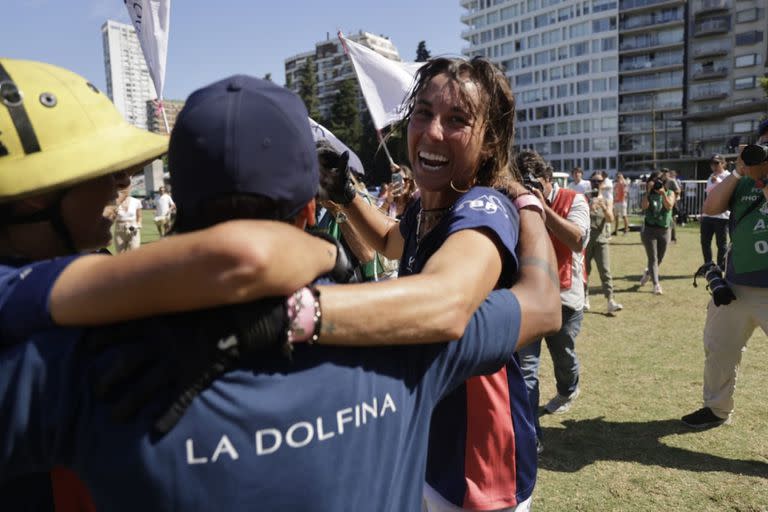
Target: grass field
<point>622,446</point>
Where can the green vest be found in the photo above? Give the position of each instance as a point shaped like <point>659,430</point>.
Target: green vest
<point>656,214</point>
<point>749,231</point>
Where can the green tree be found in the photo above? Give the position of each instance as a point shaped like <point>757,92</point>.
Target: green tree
<point>308,88</point>
<point>345,120</point>
<point>764,85</point>
<point>268,77</point>
<point>422,54</point>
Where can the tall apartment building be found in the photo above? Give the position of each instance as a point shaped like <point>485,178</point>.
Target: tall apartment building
<point>652,78</point>
<point>561,58</point>
<point>727,55</point>
<point>129,85</point>
<point>333,66</point>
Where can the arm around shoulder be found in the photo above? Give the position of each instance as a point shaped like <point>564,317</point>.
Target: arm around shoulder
<point>232,262</point>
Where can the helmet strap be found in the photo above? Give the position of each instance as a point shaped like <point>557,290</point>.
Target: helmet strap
<point>53,215</point>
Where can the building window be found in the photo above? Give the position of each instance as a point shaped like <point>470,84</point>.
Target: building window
<point>608,104</point>
<point>743,126</point>
<point>747,15</point>
<point>582,87</point>
<point>604,25</point>
<point>749,38</point>
<point>747,82</point>
<point>743,61</point>
<point>524,79</point>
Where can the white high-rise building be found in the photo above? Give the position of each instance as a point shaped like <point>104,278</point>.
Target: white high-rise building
<point>561,57</point>
<point>129,85</point>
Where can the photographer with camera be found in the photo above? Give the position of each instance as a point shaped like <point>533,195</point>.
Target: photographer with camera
<point>730,324</point>
<point>657,203</point>
<point>598,248</point>
<point>567,221</point>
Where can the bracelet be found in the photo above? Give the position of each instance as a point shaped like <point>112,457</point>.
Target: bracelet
<point>736,174</point>
<point>528,200</point>
<point>304,316</point>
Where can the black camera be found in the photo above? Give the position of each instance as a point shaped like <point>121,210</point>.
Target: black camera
<point>658,184</point>
<point>532,182</point>
<point>718,288</point>
<point>594,192</point>
<point>754,154</point>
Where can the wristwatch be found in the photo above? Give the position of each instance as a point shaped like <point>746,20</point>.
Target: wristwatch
<point>341,218</point>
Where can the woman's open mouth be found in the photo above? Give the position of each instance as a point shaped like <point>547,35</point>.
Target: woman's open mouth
<point>432,161</point>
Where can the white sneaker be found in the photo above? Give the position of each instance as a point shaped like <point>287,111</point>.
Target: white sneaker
<point>646,277</point>
<point>657,289</point>
<point>613,307</point>
<point>586,304</point>
<point>560,404</point>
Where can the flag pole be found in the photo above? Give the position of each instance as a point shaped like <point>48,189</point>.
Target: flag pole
<point>165,118</point>
<point>383,144</point>
<point>378,132</point>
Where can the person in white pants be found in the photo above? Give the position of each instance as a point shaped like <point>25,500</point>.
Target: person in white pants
<point>128,225</point>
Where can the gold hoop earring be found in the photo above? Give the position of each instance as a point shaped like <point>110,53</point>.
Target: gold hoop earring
<point>459,190</point>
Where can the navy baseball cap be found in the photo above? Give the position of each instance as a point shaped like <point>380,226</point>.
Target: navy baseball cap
<point>243,135</point>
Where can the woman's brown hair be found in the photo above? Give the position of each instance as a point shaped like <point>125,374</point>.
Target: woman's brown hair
<point>496,106</point>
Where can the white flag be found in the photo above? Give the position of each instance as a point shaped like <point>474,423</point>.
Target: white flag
<point>320,132</point>
<point>151,19</point>
<point>385,83</point>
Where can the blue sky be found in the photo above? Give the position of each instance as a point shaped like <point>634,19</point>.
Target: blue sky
<point>212,39</point>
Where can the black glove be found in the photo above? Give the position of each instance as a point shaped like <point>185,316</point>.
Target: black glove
<point>180,355</point>
<point>335,176</point>
<point>343,271</point>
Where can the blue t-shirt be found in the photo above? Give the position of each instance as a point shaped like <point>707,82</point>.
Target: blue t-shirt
<point>479,457</point>
<point>25,289</point>
<point>336,429</point>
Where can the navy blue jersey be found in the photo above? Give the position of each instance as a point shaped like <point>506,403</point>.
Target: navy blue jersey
<point>336,429</point>
<point>25,289</point>
<point>482,444</point>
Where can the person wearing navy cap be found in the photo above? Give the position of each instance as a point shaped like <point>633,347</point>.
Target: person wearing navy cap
<point>269,426</point>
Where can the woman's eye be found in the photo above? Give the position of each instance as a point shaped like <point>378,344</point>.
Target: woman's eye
<point>423,113</point>
<point>460,120</point>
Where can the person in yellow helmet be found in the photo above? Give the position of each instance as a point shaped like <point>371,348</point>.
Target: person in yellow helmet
<point>65,151</point>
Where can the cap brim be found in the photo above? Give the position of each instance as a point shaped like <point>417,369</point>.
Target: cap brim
<point>116,149</point>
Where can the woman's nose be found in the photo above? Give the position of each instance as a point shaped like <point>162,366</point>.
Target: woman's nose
<point>435,129</point>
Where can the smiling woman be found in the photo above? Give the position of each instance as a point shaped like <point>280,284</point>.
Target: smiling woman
<point>456,243</point>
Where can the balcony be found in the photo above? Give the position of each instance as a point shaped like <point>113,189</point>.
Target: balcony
<point>636,24</point>
<point>710,27</point>
<point>647,106</point>
<point>711,51</point>
<point>709,93</point>
<point>628,6</point>
<point>639,45</point>
<point>710,6</point>
<point>709,73</point>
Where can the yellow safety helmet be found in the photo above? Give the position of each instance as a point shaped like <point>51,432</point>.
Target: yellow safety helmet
<point>57,129</point>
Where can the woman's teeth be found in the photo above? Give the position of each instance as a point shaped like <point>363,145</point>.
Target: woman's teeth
<point>432,161</point>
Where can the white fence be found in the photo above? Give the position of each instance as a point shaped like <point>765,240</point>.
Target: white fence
<point>691,200</point>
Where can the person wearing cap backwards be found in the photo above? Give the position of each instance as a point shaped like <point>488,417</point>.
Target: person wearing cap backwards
<point>728,327</point>
<point>715,225</point>
<point>259,430</point>
<point>65,152</point>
